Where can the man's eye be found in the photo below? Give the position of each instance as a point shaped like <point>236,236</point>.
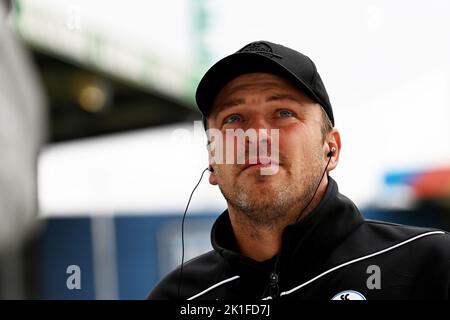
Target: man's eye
<point>232,118</point>
<point>285,113</point>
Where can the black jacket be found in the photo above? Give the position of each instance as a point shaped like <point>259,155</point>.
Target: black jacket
<point>331,253</point>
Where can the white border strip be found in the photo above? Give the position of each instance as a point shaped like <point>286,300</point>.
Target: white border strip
<point>213,287</point>
<point>356,260</point>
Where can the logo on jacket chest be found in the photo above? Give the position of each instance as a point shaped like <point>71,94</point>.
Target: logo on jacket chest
<point>349,295</point>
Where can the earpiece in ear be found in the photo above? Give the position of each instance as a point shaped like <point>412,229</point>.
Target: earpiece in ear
<point>210,169</point>
<point>332,151</point>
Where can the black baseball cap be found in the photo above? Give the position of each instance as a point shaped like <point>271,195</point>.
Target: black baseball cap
<point>263,56</point>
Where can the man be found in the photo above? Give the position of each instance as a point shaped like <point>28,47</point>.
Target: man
<point>291,234</point>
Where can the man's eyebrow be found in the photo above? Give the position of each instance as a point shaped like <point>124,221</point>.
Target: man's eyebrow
<point>277,97</point>
<point>228,104</point>
<point>238,101</point>
<point>232,103</point>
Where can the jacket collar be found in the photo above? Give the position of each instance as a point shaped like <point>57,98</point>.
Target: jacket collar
<point>306,244</point>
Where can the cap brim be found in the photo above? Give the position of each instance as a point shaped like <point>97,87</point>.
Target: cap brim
<point>238,64</point>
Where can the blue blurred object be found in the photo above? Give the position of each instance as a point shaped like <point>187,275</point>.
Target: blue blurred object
<point>65,242</point>
<point>404,177</point>
<point>147,247</point>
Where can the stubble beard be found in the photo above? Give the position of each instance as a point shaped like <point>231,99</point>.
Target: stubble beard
<point>274,206</point>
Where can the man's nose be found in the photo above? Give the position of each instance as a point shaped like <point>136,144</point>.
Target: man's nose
<point>263,130</point>
<point>258,122</point>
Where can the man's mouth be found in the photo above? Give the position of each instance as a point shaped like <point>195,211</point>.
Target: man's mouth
<point>259,162</point>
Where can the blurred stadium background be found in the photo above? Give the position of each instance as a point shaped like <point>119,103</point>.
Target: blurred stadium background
<point>100,151</point>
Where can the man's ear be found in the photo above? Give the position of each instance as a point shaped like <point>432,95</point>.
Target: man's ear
<point>333,140</point>
<point>211,133</point>
<point>211,169</point>
<point>212,176</point>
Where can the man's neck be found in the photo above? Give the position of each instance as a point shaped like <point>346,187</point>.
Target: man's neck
<point>261,242</point>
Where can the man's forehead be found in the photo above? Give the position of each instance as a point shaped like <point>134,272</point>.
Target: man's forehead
<point>272,86</point>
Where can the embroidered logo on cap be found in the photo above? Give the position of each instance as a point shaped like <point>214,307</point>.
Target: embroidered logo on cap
<point>260,48</point>
<point>349,295</point>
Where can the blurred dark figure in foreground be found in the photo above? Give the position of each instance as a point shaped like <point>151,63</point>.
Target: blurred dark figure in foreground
<point>21,135</point>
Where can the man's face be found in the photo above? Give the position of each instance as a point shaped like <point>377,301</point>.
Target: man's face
<point>266,101</point>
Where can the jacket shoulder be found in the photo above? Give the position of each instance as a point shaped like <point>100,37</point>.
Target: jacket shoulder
<point>386,231</point>
<point>374,236</point>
